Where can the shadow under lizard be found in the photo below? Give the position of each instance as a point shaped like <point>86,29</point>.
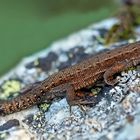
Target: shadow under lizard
<point>72,79</point>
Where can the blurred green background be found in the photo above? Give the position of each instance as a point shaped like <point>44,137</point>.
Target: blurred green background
<point>31,25</point>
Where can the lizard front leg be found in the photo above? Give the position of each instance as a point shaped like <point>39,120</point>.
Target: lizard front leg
<point>118,67</point>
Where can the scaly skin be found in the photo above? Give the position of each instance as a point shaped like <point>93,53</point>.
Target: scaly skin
<point>76,77</point>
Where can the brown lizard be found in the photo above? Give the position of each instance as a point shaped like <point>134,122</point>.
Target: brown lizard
<point>76,77</point>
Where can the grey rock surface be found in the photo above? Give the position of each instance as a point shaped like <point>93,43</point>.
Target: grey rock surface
<point>114,116</point>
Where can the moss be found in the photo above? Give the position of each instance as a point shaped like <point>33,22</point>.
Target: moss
<point>129,18</point>
<point>39,122</point>
<point>4,135</point>
<point>10,88</point>
<point>44,107</point>
<point>95,91</point>
<point>36,62</point>
<point>131,68</point>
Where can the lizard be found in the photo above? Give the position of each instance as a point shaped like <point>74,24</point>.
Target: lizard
<point>71,80</point>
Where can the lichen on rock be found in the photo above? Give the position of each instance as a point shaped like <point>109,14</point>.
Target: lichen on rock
<point>109,118</point>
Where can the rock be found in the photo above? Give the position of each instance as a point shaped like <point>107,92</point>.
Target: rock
<point>115,114</point>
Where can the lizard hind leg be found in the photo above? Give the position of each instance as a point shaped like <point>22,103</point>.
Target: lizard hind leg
<point>60,91</point>
<point>73,97</point>
<point>70,94</point>
<point>80,98</point>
